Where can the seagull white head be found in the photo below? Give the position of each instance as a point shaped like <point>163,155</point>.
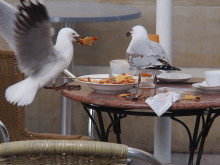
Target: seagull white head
<point>68,34</point>
<point>137,31</point>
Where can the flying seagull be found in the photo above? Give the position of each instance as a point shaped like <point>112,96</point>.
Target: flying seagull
<point>144,53</point>
<point>28,33</point>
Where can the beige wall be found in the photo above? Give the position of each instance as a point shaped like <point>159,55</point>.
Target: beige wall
<point>196,39</point>
<point>196,34</point>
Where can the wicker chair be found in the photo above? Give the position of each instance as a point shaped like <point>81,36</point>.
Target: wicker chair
<point>72,152</point>
<point>12,116</point>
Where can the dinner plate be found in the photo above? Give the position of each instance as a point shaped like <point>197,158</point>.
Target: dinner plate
<point>106,87</point>
<point>203,86</point>
<point>174,77</point>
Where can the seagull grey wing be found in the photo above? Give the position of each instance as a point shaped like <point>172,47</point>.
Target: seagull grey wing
<point>140,46</point>
<point>158,50</point>
<point>33,36</point>
<point>141,54</point>
<point>7,16</point>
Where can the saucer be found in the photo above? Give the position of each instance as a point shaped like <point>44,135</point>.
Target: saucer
<point>204,87</point>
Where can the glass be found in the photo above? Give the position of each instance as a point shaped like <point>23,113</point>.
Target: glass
<point>147,81</point>
<point>119,66</point>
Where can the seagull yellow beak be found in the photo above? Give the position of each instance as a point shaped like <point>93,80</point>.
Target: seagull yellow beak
<point>77,38</point>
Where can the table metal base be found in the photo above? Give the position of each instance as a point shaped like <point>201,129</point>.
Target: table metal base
<point>197,137</point>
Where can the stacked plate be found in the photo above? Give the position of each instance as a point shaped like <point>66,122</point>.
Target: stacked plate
<point>174,77</point>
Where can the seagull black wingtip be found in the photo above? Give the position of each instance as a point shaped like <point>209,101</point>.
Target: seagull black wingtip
<point>23,3</point>
<point>31,13</point>
<point>164,67</point>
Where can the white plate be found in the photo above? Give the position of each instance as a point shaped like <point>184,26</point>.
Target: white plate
<point>203,86</point>
<point>106,87</point>
<point>174,77</point>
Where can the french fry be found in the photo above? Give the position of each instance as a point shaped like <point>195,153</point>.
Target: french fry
<point>87,40</point>
<point>146,75</point>
<point>191,97</point>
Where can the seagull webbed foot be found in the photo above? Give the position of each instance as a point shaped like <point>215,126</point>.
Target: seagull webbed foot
<point>64,86</point>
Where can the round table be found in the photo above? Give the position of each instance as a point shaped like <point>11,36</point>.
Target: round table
<point>206,110</point>
<point>73,12</point>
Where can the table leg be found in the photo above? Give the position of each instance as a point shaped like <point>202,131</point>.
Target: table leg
<point>90,125</point>
<point>93,121</point>
<point>66,116</point>
<point>207,125</point>
<point>101,131</point>
<point>193,142</point>
<point>102,127</point>
<point>117,128</point>
<point>115,122</point>
<point>199,139</point>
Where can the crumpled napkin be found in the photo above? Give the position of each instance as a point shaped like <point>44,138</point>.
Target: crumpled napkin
<point>161,102</point>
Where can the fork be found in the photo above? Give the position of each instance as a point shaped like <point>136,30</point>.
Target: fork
<point>111,75</point>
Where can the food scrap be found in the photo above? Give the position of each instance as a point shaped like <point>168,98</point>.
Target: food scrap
<point>191,97</point>
<point>130,96</point>
<point>145,75</point>
<point>119,79</point>
<point>87,41</point>
<point>123,95</point>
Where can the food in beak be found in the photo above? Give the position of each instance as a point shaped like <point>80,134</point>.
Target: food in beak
<point>87,41</point>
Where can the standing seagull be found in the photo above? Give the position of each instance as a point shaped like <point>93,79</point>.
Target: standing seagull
<point>28,33</point>
<point>144,53</point>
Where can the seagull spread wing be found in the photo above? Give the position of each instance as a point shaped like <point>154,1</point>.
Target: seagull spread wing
<point>7,16</point>
<point>32,35</point>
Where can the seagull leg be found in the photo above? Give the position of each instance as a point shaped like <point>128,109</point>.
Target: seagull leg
<point>155,83</point>
<point>55,87</point>
<point>138,84</point>
<point>59,87</point>
<point>64,86</point>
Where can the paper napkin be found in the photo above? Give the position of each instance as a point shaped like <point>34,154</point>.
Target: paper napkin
<point>161,102</point>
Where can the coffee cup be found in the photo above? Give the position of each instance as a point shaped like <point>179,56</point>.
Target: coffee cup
<point>212,78</point>
<point>119,66</point>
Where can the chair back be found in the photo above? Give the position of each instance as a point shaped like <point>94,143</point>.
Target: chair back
<point>11,115</point>
<point>93,152</point>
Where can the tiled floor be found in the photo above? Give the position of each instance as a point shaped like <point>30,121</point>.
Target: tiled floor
<point>207,159</point>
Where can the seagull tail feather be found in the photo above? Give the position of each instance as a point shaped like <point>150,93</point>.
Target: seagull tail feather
<point>22,93</point>
<point>164,67</point>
